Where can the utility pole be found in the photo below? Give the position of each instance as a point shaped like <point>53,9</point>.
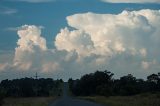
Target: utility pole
<point>36,76</point>
<point>36,84</point>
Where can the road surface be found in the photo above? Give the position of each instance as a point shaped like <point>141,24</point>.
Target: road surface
<point>66,100</point>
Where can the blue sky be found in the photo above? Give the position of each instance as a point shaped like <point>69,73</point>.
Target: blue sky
<point>51,16</point>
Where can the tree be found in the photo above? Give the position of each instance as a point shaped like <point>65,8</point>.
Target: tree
<point>29,87</point>
<point>153,78</point>
<point>99,82</point>
<point>154,82</point>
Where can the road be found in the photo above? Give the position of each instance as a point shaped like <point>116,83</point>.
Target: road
<point>66,100</point>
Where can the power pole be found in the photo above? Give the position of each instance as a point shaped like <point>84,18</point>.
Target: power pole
<point>36,76</point>
<point>36,85</point>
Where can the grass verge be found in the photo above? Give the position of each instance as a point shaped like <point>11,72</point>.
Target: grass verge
<point>32,101</point>
<point>147,99</point>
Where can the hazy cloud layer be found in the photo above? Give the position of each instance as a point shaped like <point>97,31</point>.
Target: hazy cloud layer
<point>124,43</point>
<point>33,1</point>
<point>7,10</point>
<point>132,1</point>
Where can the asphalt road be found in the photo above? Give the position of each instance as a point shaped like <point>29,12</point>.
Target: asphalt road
<point>66,100</point>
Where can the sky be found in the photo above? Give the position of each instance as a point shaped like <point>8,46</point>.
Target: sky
<point>70,38</point>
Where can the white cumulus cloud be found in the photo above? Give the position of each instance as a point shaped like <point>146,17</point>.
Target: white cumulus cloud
<point>121,42</point>
<point>74,40</point>
<point>29,43</point>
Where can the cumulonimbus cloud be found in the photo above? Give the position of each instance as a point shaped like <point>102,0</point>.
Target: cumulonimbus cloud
<point>132,1</point>
<point>124,43</point>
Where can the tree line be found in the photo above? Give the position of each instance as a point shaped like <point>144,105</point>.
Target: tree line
<point>102,83</point>
<point>29,87</point>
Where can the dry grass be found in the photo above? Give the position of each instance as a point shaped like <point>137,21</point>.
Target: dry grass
<point>33,101</point>
<point>137,100</point>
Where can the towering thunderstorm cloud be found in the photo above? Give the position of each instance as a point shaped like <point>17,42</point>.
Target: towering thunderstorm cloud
<point>124,43</point>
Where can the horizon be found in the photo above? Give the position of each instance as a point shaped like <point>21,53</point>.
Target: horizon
<point>66,80</point>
